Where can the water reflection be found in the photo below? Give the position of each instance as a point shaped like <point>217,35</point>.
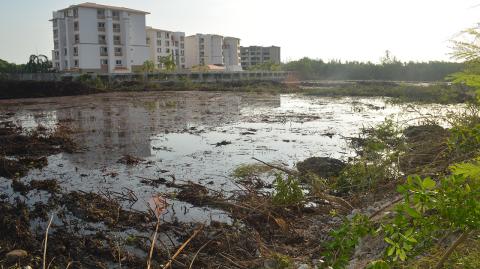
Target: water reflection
<point>177,133</point>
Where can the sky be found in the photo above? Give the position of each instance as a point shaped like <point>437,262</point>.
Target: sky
<point>412,30</point>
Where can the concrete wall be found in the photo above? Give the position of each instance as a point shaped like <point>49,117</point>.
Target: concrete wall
<point>165,77</point>
<point>87,26</point>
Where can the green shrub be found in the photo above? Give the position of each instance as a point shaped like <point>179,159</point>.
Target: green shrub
<point>287,191</point>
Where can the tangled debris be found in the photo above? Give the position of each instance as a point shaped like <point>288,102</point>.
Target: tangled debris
<point>130,160</point>
<point>23,150</point>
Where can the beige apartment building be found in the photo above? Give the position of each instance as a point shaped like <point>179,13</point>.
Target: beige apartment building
<point>90,37</point>
<point>231,53</point>
<point>163,43</point>
<point>204,49</point>
<point>254,55</point>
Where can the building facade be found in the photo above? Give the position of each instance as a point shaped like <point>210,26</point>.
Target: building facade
<point>164,43</point>
<point>97,38</point>
<point>255,55</point>
<point>231,53</point>
<point>203,49</point>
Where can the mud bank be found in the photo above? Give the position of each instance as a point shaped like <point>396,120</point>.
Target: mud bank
<point>12,89</point>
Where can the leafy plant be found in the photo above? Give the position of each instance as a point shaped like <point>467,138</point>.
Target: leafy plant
<point>287,191</point>
<point>338,251</point>
<point>431,208</point>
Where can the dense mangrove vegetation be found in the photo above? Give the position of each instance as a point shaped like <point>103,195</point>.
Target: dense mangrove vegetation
<point>388,69</point>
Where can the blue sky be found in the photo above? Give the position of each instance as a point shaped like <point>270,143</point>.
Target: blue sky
<point>416,30</point>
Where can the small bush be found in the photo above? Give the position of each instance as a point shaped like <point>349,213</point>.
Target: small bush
<point>287,191</point>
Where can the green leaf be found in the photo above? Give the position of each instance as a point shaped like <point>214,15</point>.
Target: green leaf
<point>428,183</point>
<point>402,255</point>
<point>390,241</point>
<point>412,212</point>
<point>390,250</point>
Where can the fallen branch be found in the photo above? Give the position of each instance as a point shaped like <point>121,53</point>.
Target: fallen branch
<point>180,249</point>
<point>286,170</point>
<point>398,199</point>
<point>449,251</point>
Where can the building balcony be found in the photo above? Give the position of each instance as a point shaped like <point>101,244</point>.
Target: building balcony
<point>116,30</point>
<point>118,54</point>
<point>116,18</point>
<point>102,41</point>
<point>103,53</point>
<point>117,42</point>
<point>101,29</point>
<point>101,17</point>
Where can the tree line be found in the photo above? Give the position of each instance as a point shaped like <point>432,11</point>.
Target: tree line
<point>36,64</point>
<point>388,69</point>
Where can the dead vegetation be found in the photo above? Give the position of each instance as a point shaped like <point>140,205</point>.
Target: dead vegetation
<point>22,150</point>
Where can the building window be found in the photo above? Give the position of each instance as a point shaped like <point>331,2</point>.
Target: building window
<point>103,62</point>
<point>101,13</point>
<point>75,13</point>
<point>103,51</point>
<point>116,28</point>
<point>167,43</point>
<point>75,51</point>
<point>65,51</point>
<point>182,38</point>
<point>55,23</point>
<point>116,15</point>
<point>66,64</point>
<point>116,40</point>
<point>167,35</point>
<point>183,60</point>
<point>159,58</point>
<point>55,33</point>
<point>75,63</point>
<point>77,39</point>
<point>75,26</point>
<point>102,39</point>
<point>168,50</point>
<point>118,62</point>
<point>118,51</point>
<point>101,27</point>
<point>159,50</point>
<point>159,34</point>
<point>159,42</point>
<point>57,65</point>
<point>55,44</point>
<point>182,52</point>
<point>182,46</point>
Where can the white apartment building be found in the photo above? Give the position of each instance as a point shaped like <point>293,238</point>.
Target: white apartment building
<point>164,43</point>
<point>203,49</point>
<point>254,55</point>
<point>231,53</point>
<point>90,37</point>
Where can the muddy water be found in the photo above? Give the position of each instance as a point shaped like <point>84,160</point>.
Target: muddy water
<point>177,134</point>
